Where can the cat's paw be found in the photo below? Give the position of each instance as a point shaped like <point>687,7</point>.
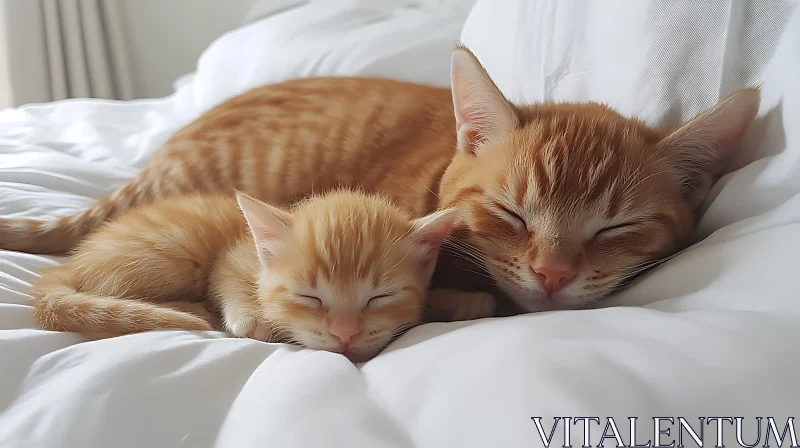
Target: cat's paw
<point>453,305</point>
<point>475,305</point>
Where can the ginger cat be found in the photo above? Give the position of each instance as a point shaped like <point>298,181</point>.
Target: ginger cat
<point>561,203</point>
<point>345,272</point>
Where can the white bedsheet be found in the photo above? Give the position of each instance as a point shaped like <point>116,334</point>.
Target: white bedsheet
<point>715,331</point>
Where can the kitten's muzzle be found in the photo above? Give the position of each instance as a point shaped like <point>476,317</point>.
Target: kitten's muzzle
<point>553,278</point>
<point>344,329</point>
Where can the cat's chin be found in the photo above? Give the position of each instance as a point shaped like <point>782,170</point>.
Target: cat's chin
<point>541,305</point>
<point>535,301</point>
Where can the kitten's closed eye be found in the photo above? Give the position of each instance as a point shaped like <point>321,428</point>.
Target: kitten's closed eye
<point>380,299</point>
<point>309,301</point>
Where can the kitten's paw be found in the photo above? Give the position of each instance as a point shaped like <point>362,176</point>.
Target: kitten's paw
<point>261,333</point>
<point>248,327</point>
<point>242,327</point>
<point>453,305</point>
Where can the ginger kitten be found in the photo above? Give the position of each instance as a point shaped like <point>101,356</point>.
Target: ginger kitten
<point>345,272</point>
<point>560,202</point>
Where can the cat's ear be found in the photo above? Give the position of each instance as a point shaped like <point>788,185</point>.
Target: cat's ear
<point>700,148</point>
<point>481,109</point>
<point>430,232</point>
<point>269,225</point>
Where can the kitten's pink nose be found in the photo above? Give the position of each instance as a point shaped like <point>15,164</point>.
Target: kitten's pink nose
<point>553,278</point>
<point>344,329</point>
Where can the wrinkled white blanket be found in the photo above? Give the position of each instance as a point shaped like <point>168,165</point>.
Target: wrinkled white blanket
<point>712,333</point>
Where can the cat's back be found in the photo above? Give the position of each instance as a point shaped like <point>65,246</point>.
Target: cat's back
<point>281,142</point>
<point>378,105</point>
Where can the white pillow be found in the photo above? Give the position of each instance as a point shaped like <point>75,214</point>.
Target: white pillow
<point>664,61</point>
<point>404,40</point>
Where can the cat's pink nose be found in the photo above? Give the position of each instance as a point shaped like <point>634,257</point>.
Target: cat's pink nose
<point>344,330</point>
<point>553,278</point>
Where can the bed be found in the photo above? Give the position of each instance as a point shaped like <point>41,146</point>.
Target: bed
<point>703,339</point>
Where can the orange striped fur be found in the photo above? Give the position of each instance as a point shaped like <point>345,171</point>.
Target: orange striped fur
<point>575,184</point>
<point>578,186</point>
<point>269,274</point>
<point>280,143</point>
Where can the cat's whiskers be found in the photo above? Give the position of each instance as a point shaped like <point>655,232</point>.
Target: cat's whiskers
<point>275,331</point>
<point>399,331</point>
<point>630,275</point>
<point>481,274</point>
<point>293,341</point>
<point>624,283</point>
<point>641,267</point>
<point>465,255</point>
<point>464,248</point>
<point>480,271</point>
<point>460,240</point>
<point>645,263</point>
<point>427,187</point>
<point>467,252</point>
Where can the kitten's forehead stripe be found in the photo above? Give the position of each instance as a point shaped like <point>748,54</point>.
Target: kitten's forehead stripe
<point>353,243</point>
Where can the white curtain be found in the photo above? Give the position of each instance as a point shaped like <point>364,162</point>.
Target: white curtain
<point>6,97</point>
<point>264,8</point>
<point>59,49</point>
<point>85,49</point>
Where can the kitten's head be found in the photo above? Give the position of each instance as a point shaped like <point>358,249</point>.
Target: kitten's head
<point>345,272</point>
<point>564,202</point>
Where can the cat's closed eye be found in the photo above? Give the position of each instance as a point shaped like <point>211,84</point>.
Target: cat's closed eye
<point>512,214</point>
<point>616,229</point>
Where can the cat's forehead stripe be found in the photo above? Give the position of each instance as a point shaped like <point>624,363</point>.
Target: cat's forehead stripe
<point>575,168</point>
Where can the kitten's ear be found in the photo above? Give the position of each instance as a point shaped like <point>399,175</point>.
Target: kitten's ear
<point>269,225</point>
<point>430,232</point>
<point>700,147</point>
<point>481,109</point>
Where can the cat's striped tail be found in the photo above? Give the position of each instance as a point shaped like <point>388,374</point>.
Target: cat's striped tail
<point>59,307</point>
<point>59,236</point>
